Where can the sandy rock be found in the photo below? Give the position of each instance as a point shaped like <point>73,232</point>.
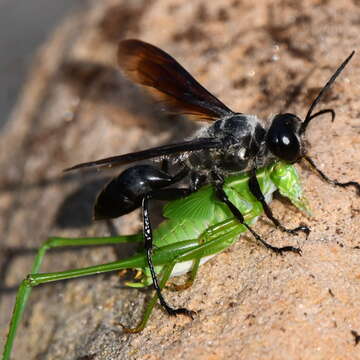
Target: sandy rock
<point>258,57</point>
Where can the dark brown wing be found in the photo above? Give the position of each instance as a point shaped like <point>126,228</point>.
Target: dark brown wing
<point>168,81</point>
<point>164,150</point>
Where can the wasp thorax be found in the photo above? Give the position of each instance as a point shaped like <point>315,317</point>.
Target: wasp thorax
<point>283,138</point>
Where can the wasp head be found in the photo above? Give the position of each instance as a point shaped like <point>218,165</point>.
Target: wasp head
<point>284,137</point>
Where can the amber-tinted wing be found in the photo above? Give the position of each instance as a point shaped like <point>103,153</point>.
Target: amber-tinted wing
<point>168,81</point>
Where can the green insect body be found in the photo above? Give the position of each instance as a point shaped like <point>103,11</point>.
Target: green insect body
<point>195,229</point>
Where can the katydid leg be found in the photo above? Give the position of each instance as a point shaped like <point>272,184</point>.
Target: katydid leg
<point>194,270</point>
<point>189,281</point>
<point>26,285</point>
<point>149,307</point>
<point>196,253</point>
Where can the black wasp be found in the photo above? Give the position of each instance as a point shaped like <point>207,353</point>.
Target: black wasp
<point>233,143</point>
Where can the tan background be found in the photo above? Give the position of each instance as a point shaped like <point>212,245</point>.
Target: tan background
<point>258,57</point>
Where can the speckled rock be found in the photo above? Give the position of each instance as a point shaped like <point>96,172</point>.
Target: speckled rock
<point>258,57</point>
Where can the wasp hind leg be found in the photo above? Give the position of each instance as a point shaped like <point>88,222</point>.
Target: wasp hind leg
<point>164,194</point>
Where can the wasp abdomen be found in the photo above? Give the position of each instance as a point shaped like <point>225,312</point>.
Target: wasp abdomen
<point>125,192</point>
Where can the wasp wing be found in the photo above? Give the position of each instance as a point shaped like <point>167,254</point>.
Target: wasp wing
<point>164,150</point>
<point>168,81</point>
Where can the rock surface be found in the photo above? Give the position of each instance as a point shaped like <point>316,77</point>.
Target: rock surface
<point>258,57</point>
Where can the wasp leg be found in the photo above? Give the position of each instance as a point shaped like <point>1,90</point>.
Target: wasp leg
<point>355,184</point>
<point>256,191</point>
<point>220,193</point>
<point>197,181</point>
<point>164,194</point>
<point>165,165</point>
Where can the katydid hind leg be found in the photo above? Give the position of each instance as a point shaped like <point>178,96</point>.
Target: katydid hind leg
<point>165,277</point>
<point>150,306</point>
<point>34,278</point>
<point>166,273</point>
<point>256,191</point>
<point>220,193</point>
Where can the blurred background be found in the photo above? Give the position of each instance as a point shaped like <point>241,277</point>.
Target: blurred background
<point>24,26</point>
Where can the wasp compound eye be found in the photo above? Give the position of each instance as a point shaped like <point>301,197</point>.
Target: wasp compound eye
<point>282,138</point>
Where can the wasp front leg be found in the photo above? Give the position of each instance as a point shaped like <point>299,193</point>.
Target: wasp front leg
<point>256,191</point>
<point>221,195</point>
<point>355,184</point>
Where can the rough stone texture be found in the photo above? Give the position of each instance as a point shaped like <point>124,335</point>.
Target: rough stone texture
<point>258,57</point>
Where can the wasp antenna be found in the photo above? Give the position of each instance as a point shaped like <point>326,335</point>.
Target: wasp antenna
<point>308,117</point>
